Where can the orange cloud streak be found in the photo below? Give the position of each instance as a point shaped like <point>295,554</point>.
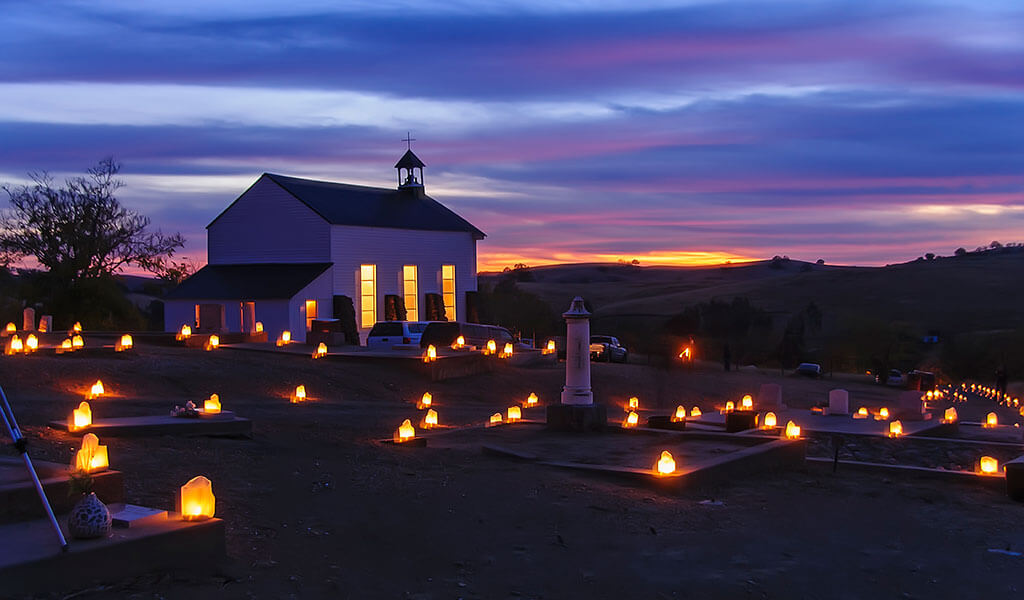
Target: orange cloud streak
<point>498,260</point>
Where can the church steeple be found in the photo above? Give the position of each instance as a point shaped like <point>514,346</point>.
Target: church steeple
<point>407,166</point>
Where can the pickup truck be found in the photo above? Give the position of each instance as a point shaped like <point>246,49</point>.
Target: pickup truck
<point>608,349</point>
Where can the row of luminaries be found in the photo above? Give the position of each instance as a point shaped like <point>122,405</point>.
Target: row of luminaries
<point>73,342</point>
<point>406,432</point>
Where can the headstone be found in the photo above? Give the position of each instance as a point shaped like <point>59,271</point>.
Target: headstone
<point>911,407</point>
<point>838,402</point>
<point>46,324</point>
<point>577,411</point>
<point>769,397</point>
<point>577,355</point>
<point>29,319</point>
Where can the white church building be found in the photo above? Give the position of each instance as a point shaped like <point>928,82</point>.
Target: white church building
<point>285,250</point>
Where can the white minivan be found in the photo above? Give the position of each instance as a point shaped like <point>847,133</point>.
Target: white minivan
<point>385,335</point>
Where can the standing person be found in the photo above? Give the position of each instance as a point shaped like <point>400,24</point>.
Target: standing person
<point>727,358</point>
<point>1001,383</point>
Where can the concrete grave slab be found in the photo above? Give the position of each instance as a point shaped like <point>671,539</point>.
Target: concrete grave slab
<point>819,423</point>
<point>629,455</point>
<point>18,498</point>
<point>224,424</point>
<point>31,561</point>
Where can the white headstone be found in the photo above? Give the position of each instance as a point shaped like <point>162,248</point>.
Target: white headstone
<point>838,402</point>
<point>46,324</point>
<point>769,396</point>
<point>577,355</point>
<point>911,407</point>
<point>29,319</point>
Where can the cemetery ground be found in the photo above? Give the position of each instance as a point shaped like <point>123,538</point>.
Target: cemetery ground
<point>315,507</point>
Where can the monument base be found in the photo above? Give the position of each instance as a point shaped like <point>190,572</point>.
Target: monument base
<point>1015,478</point>
<point>740,420</point>
<point>576,417</point>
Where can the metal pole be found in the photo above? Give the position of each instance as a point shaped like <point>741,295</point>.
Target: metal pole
<point>22,447</point>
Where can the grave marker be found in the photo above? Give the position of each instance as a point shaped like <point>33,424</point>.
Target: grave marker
<point>838,402</point>
<point>769,397</point>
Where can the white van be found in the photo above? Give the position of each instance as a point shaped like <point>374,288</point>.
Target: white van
<point>385,335</point>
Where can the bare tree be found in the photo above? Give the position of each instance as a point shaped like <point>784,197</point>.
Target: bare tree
<point>80,230</point>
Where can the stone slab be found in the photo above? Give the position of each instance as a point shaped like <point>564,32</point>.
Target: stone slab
<point>18,497</point>
<point>992,481</point>
<point>163,425</point>
<point>131,515</point>
<point>819,423</point>
<point>31,561</point>
<point>702,458</point>
<point>766,456</point>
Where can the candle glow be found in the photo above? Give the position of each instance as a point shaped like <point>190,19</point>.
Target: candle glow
<point>405,432</point>
<point>197,499</point>
<point>666,464</point>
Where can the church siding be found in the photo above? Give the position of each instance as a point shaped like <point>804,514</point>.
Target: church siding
<point>268,225</point>
<point>390,250</point>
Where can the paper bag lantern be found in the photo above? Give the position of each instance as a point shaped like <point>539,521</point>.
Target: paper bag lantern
<point>124,343</point>
<point>425,401</point>
<point>197,500</point>
<point>405,431</point>
<point>666,464</point>
<point>81,416</point>
<point>430,419</point>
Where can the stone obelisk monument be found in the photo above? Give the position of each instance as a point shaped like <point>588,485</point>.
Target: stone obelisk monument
<point>577,411</point>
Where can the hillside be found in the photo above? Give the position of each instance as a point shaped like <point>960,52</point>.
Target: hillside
<point>870,317</point>
<point>973,293</point>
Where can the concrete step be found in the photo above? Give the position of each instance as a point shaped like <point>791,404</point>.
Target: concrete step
<point>31,561</point>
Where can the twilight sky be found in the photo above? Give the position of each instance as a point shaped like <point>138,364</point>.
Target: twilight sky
<point>861,132</point>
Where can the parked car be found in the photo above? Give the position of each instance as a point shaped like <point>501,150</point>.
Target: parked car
<point>444,333</point>
<point>608,349</point>
<point>894,378</point>
<point>808,370</point>
<point>387,334</point>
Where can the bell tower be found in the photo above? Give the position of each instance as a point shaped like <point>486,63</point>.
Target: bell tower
<point>407,167</point>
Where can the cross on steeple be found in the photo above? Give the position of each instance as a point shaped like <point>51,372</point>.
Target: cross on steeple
<point>408,139</point>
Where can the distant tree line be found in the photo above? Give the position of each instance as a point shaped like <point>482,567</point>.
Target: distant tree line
<point>993,247</point>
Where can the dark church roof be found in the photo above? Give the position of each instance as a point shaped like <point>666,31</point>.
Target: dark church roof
<point>364,206</point>
<point>409,161</point>
<point>265,281</point>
